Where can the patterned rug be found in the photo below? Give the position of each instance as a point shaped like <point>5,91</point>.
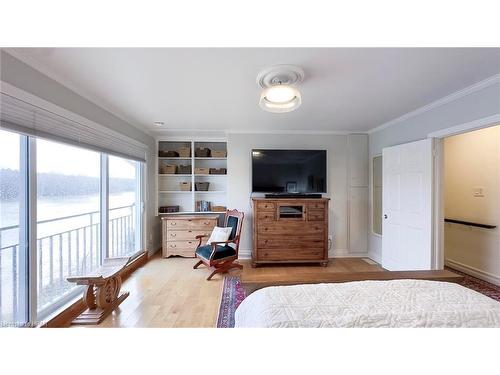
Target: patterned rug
<point>233,294</point>
<point>481,286</point>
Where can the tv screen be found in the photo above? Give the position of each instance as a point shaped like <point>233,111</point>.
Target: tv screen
<point>289,171</point>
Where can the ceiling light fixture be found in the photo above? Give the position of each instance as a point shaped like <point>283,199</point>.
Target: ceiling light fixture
<point>280,93</point>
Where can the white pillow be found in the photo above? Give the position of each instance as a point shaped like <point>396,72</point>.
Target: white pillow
<point>219,234</point>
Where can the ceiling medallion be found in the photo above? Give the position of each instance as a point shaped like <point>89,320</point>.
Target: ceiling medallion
<point>280,94</point>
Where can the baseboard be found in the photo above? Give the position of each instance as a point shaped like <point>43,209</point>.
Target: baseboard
<point>375,256</point>
<point>245,254</point>
<point>345,253</point>
<point>486,276</point>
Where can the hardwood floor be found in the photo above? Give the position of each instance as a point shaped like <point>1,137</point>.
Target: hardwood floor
<point>170,293</point>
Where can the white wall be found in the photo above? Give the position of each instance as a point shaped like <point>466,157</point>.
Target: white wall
<point>347,178</point>
<point>473,160</point>
<point>19,74</point>
<point>477,103</point>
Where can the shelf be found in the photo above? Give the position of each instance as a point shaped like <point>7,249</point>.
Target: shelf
<point>470,224</point>
<point>210,175</point>
<point>191,212</point>
<point>210,191</point>
<point>173,175</point>
<point>174,192</point>
<point>168,192</point>
<point>209,158</point>
<point>172,158</point>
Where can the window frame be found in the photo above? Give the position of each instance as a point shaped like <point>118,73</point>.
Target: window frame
<point>28,228</point>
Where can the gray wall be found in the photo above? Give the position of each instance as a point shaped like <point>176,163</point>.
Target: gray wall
<point>21,75</point>
<point>479,104</point>
<point>338,172</point>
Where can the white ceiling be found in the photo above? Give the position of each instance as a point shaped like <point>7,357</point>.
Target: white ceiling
<point>208,89</point>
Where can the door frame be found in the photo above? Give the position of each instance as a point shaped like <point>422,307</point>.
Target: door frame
<point>438,195</point>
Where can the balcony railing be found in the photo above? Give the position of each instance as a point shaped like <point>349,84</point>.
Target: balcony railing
<point>62,253</point>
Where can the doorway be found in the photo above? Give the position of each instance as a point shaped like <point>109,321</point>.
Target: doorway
<point>471,202</point>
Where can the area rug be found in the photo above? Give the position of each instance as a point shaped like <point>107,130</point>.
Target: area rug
<point>481,286</point>
<point>232,295</point>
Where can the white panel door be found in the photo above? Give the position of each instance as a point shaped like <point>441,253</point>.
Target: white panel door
<point>407,206</point>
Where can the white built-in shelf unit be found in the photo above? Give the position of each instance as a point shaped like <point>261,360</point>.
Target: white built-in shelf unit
<point>168,186</point>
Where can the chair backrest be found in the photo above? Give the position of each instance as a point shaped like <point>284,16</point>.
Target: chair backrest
<point>234,219</point>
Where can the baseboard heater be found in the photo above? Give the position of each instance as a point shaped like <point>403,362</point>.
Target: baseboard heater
<point>470,223</point>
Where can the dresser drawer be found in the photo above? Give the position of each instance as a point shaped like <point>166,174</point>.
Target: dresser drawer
<point>180,235</point>
<point>316,215</point>
<point>316,206</point>
<point>287,254</point>
<point>266,216</point>
<point>300,242</point>
<point>186,224</point>
<point>289,229</point>
<point>266,206</point>
<point>181,245</point>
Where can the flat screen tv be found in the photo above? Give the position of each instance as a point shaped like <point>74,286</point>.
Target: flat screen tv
<point>289,171</point>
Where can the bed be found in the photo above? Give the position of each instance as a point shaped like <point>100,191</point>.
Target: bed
<point>394,303</point>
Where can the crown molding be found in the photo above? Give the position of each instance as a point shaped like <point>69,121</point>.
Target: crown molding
<point>42,68</point>
<point>295,132</point>
<point>440,102</point>
<point>223,132</point>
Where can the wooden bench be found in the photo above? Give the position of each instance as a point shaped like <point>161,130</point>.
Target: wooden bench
<point>102,294</point>
<point>253,282</point>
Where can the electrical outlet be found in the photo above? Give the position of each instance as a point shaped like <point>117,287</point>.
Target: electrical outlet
<point>478,191</point>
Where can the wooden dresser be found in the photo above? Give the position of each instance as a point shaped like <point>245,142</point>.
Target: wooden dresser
<point>290,231</point>
<point>179,233</point>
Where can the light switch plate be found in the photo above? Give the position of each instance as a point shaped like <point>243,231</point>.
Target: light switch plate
<point>478,191</point>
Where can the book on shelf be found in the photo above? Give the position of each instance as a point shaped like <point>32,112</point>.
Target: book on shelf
<point>203,206</point>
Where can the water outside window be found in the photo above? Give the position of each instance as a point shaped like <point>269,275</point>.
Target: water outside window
<point>68,217</point>
<point>124,207</point>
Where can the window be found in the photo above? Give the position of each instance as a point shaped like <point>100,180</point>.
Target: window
<point>13,234</point>
<point>124,207</point>
<point>68,219</point>
<point>53,200</point>
<point>377,195</point>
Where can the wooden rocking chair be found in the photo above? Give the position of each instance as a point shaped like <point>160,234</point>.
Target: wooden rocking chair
<point>219,256</point>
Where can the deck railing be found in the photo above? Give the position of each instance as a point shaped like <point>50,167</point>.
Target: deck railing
<point>70,246</point>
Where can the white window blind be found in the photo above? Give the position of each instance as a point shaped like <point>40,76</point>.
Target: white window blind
<point>26,118</point>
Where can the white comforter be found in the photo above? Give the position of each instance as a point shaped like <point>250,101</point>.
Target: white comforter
<point>396,303</point>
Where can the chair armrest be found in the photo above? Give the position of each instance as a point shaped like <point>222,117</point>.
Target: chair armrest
<point>200,237</point>
<point>214,245</point>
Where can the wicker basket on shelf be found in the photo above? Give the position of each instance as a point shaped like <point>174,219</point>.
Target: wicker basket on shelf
<point>218,170</point>
<point>185,186</point>
<point>168,169</point>
<point>185,152</point>
<point>202,152</point>
<point>218,153</point>
<point>200,170</point>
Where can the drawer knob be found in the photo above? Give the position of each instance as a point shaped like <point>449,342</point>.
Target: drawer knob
<point>173,234</point>
<point>173,223</point>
